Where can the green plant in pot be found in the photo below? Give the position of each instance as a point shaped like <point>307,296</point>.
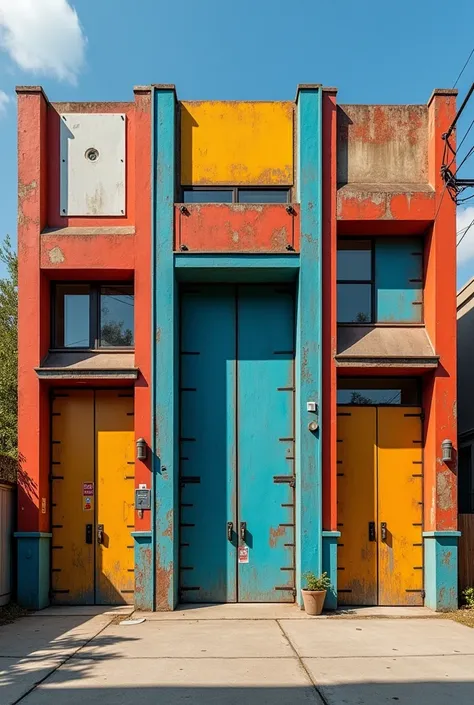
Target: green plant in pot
<point>314,592</point>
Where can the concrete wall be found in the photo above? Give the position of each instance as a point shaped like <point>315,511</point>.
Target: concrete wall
<point>379,144</point>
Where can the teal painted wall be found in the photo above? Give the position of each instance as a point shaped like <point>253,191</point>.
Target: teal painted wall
<point>33,569</point>
<point>308,336</point>
<point>441,570</point>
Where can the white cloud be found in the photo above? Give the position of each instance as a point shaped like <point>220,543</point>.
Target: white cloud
<point>465,216</point>
<point>4,100</point>
<point>43,36</point>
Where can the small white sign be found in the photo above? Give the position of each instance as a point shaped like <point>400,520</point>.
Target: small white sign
<point>243,554</point>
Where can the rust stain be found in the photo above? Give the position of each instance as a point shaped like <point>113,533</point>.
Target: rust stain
<point>275,534</point>
<point>305,371</point>
<point>446,560</point>
<point>444,490</point>
<point>169,529</point>
<point>164,576</point>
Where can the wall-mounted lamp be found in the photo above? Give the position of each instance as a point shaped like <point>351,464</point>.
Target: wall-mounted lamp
<point>447,450</point>
<point>141,449</point>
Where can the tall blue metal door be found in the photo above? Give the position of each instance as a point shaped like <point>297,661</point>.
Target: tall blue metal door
<point>237,517</point>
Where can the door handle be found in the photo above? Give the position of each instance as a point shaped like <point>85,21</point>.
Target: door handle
<point>243,530</point>
<point>88,533</point>
<point>372,531</point>
<point>383,530</point>
<point>100,533</point>
<point>230,530</point>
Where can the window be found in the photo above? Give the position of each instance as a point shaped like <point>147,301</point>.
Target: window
<point>354,281</point>
<point>235,195</point>
<point>93,316</point>
<point>381,390</point>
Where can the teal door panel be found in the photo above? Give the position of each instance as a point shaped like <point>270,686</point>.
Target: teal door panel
<point>207,445</point>
<point>265,406</point>
<point>399,280</point>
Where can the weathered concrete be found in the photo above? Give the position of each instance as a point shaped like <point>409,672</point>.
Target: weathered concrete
<point>19,675</point>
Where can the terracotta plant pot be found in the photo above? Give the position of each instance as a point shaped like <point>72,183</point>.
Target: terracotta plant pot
<point>313,601</point>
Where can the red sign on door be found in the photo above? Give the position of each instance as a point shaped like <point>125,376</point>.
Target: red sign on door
<point>88,489</point>
<point>243,554</point>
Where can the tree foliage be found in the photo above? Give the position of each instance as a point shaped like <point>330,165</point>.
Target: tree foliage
<point>8,351</point>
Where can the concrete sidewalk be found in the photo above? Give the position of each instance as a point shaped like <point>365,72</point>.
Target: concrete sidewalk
<point>252,654</point>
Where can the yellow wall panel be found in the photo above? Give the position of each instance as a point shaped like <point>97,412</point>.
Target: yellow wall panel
<point>237,143</point>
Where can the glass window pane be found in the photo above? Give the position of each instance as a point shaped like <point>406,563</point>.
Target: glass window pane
<point>116,316</point>
<point>72,316</point>
<point>354,260</point>
<point>207,196</point>
<point>382,390</point>
<point>354,303</point>
<point>263,195</point>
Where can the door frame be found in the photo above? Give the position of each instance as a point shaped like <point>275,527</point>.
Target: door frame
<point>54,390</point>
<point>423,431</point>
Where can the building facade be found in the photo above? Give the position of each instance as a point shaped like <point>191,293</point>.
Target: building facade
<point>236,351</point>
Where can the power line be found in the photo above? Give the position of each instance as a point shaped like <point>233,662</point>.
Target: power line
<point>466,230</point>
<point>462,70</point>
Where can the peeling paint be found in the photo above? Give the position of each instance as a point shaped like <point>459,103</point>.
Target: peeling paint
<point>55,255</point>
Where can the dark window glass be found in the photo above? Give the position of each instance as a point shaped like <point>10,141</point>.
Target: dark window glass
<point>207,196</point>
<point>381,390</point>
<point>72,316</point>
<point>354,260</point>
<point>354,303</point>
<point>116,316</point>
<point>465,481</point>
<point>263,195</point>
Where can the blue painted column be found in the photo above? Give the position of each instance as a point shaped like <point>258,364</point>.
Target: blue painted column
<point>441,570</point>
<point>164,366</point>
<point>308,334</point>
<point>34,549</point>
<point>330,566</point>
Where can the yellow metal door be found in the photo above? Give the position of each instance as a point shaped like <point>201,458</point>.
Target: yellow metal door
<point>115,471</point>
<point>400,506</point>
<point>72,477</point>
<point>356,505</point>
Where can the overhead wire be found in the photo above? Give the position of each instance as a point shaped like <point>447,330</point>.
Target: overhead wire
<point>463,68</point>
<point>466,230</point>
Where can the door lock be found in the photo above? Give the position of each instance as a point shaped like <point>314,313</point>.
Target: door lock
<point>243,530</point>
<point>100,533</point>
<point>230,530</point>
<point>88,533</point>
<point>383,530</point>
<point>372,531</point>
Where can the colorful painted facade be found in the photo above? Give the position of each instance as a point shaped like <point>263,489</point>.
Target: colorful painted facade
<point>236,351</point>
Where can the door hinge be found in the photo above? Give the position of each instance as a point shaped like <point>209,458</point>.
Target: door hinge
<point>294,592</point>
<point>423,594</point>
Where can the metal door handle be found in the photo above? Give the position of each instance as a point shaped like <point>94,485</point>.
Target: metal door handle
<point>383,530</point>
<point>372,531</point>
<point>230,530</point>
<point>88,533</point>
<point>243,529</point>
<point>100,533</point>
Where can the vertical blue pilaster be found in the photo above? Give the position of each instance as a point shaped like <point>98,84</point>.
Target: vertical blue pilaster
<point>34,573</point>
<point>441,570</point>
<point>143,549</point>
<point>309,332</point>
<point>164,369</point>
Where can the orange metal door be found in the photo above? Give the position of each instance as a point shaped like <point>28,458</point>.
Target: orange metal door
<point>400,506</point>
<point>356,505</point>
<point>72,475</point>
<point>115,471</point>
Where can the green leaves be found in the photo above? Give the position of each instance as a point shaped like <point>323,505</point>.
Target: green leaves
<point>8,351</point>
<point>315,583</point>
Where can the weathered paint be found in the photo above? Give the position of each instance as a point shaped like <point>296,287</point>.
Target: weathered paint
<point>143,556</point>
<point>90,252</point>
<point>380,463</point>
<point>265,441</point>
<point>237,228</point>
<point>387,206</point>
<point>398,280</point>
<point>441,570</point>
<point>236,143</point>
<point>163,342</point>
<point>115,480</point>
<point>308,336</point>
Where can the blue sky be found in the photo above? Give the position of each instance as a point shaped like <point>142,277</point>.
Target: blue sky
<point>373,51</point>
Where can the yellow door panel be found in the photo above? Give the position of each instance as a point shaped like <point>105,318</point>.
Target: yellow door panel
<point>400,496</point>
<point>72,470</point>
<point>115,469</point>
<point>356,498</point>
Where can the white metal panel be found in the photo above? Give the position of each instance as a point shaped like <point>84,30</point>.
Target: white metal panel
<point>92,164</point>
<point>6,536</point>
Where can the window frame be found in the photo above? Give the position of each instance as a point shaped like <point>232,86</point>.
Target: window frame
<point>94,315</point>
<point>371,281</point>
<point>235,190</point>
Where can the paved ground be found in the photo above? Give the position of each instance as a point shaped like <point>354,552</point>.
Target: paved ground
<point>233,654</point>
